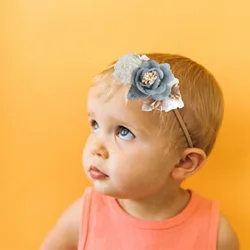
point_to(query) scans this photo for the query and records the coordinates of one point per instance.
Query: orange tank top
(106, 226)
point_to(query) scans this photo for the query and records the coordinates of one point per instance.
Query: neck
(157, 207)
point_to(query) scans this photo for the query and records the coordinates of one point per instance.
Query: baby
(154, 120)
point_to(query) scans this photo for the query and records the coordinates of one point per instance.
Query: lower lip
(97, 175)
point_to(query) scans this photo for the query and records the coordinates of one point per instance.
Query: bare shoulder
(227, 238)
(64, 235)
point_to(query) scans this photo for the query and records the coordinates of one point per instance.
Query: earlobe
(192, 160)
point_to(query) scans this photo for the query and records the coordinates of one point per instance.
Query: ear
(192, 160)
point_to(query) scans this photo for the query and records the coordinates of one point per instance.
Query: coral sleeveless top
(106, 226)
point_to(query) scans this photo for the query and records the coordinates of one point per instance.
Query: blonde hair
(201, 94)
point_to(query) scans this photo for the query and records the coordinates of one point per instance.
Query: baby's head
(154, 120)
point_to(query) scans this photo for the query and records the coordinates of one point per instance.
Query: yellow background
(51, 49)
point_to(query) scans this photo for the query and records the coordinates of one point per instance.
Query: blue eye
(125, 134)
(94, 125)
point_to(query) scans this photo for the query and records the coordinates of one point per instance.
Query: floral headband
(152, 82)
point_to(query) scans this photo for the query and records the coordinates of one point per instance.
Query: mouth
(96, 174)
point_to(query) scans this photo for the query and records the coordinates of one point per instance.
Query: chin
(103, 187)
(108, 190)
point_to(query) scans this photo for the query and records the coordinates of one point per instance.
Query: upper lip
(92, 167)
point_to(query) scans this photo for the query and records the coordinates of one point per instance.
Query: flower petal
(138, 74)
(170, 104)
(152, 92)
(156, 84)
(165, 67)
(154, 64)
(150, 64)
(159, 72)
(161, 88)
(141, 88)
(168, 75)
(146, 107)
(146, 65)
(163, 95)
(134, 93)
(133, 76)
(144, 58)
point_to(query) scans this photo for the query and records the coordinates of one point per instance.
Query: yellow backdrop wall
(51, 49)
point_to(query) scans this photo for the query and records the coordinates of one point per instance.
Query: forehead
(117, 106)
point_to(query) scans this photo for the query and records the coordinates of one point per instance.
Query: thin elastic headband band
(184, 128)
(175, 109)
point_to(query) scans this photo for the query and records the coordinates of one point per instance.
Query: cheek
(130, 167)
(84, 156)
(149, 165)
(122, 169)
(86, 152)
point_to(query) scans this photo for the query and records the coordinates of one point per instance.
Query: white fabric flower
(165, 105)
(170, 104)
(125, 66)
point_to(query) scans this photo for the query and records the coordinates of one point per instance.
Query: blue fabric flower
(151, 80)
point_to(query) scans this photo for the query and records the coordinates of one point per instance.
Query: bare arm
(227, 238)
(64, 235)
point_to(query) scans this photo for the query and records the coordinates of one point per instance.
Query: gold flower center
(149, 77)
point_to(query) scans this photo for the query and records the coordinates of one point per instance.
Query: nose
(98, 149)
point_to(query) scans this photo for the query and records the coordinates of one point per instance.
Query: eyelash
(92, 123)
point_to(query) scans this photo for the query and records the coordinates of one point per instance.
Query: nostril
(100, 153)
(99, 150)
(95, 152)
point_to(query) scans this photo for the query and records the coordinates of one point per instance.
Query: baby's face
(125, 145)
